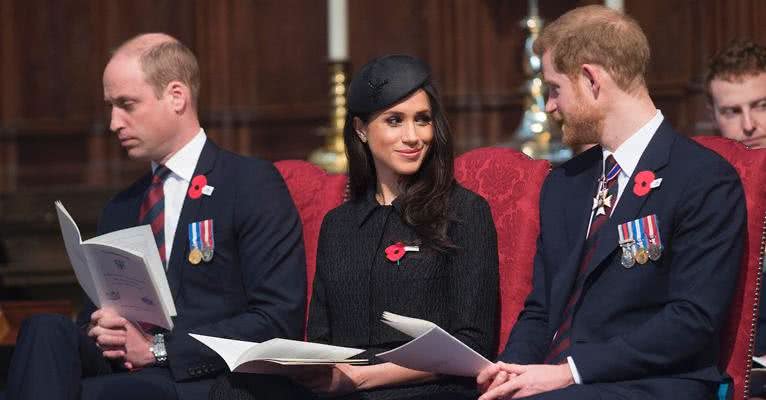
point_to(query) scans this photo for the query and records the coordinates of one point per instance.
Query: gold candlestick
(536, 136)
(332, 156)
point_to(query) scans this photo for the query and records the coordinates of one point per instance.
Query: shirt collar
(630, 151)
(184, 162)
(368, 204)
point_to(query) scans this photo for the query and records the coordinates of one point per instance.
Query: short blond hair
(163, 59)
(598, 35)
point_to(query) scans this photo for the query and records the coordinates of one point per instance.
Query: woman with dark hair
(403, 195)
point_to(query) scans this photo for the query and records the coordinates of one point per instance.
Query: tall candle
(532, 8)
(337, 29)
(618, 5)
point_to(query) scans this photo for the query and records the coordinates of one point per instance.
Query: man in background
(736, 90)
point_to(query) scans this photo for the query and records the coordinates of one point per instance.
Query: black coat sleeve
(474, 279)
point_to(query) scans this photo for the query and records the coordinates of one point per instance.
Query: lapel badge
(201, 241)
(396, 251)
(196, 187)
(643, 183)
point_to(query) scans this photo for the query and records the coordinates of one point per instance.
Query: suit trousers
(650, 388)
(54, 359)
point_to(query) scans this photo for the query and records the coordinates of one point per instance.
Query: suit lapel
(581, 190)
(655, 157)
(190, 212)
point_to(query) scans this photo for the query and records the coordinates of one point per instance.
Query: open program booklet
(432, 349)
(277, 356)
(121, 270)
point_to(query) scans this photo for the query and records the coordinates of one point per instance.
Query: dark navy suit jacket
(255, 286)
(661, 319)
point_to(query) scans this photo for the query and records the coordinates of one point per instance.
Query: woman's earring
(362, 136)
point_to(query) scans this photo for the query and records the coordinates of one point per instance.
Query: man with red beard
(640, 236)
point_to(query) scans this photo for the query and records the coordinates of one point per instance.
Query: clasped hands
(512, 381)
(335, 379)
(119, 339)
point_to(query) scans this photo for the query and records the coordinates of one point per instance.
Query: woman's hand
(337, 379)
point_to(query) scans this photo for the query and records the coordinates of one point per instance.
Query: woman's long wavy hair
(424, 196)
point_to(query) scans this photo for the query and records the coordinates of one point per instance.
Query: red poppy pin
(198, 183)
(396, 251)
(643, 183)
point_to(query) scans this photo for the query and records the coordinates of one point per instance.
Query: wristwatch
(158, 349)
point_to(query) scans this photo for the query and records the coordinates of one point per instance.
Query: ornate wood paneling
(264, 70)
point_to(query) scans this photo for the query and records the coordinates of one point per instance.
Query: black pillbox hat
(384, 81)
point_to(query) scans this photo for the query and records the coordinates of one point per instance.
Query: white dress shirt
(181, 166)
(627, 156)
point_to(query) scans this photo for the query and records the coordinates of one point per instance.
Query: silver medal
(654, 249)
(627, 259)
(207, 254)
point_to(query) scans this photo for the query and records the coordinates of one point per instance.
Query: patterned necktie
(560, 345)
(152, 210)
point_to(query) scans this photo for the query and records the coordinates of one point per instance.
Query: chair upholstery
(739, 333)
(314, 193)
(511, 182)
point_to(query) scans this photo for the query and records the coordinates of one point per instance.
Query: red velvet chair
(315, 193)
(511, 182)
(739, 334)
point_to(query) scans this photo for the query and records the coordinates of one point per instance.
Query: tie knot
(160, 174)
(611, 168)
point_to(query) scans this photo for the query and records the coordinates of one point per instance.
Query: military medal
(206, 234)
(207, 254)
(201, 241)
(602, 199)
(642, 256)
(637, 226)
(653, 233)
(626, 259)
(640, 241)
(653, 250)
(195, 256)
(626, 243)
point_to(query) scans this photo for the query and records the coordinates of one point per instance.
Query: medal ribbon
(651, 224)
(626, 233)
(638, 232)
(194, 236)
(207, 234)
(613, 172)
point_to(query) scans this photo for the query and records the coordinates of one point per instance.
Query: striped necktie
(559, 348)
(152, 211)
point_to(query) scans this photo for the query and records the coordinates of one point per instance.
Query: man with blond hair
(246, 280)
(640, 236)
